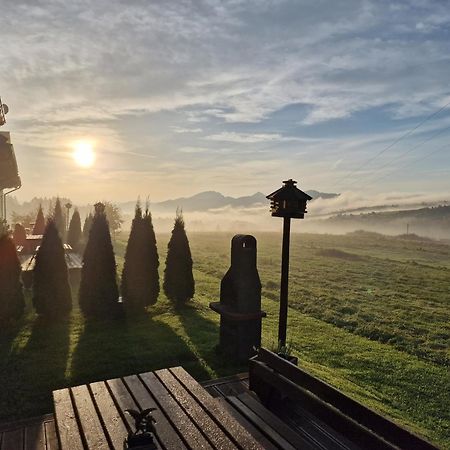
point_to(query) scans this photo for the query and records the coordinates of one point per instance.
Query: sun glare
(83, 153)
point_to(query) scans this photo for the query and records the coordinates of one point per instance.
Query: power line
(405, 153)
(403, 136)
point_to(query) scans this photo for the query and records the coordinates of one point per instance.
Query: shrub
(74, 233)
(19, 234)
(98, 294)
(140, 277)
(39, 224)
(12, 301)
(179, 284)
(51, 290)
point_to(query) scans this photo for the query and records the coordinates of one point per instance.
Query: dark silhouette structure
(51, 290)
(74, 233)
(287, 202)
(19, 234)
(240, 302)
(58, 218)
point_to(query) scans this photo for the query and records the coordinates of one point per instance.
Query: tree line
(99, 292)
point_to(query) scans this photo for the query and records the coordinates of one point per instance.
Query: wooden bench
(187, 417)
(278, 382)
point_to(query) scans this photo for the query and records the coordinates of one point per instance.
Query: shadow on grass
(204, 335)
(109, 349)
(33, 371)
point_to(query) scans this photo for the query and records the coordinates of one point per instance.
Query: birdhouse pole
(282, 325)
(287, 202)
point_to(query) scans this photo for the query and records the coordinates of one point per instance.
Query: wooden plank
(207, 425)
(112, 419)
(173, 411)
(232, 388)
(271, 419)
(12, 439)
(268, 445)
(51, 439)
(357, 411)
(264, 427)
(35, 437)
(123, 399)
(166, 433)
(90, 423)
(234, 429)
(66, 422)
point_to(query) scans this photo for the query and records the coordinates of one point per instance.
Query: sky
(234, 96)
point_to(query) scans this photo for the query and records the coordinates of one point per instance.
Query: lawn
(369, 314)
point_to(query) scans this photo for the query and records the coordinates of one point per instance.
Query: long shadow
(204, 335)
(109, 349)
(32, 372)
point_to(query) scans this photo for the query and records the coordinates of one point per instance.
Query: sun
(83, 153)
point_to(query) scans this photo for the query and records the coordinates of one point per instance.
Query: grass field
(369, 314)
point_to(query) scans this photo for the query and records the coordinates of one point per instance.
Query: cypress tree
(51, 290)
(58, 218)
(19, 234)
(179, 284)
(87, 226)
(39, 224)
(98, 294)
(74, 233)
(12, 302)
(140, 277)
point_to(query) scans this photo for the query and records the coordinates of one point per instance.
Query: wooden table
(187, 417)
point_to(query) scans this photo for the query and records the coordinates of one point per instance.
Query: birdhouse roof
(288, 192)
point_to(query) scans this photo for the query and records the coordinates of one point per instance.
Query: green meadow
(368, 313)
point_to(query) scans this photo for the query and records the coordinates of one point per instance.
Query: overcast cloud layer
(234, 96)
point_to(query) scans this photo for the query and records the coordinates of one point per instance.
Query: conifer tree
(39, 224)
(51, 290)
(74, 233)
(58, 218)
(87, 226)
(98, 294)
(179, 284)
(19, 234)
(140, 277)
(12, 302)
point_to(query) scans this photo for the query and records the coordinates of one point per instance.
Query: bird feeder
(288, 202)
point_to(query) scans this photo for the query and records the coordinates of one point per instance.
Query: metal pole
(282, 325)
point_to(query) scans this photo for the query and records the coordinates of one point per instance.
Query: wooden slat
(268, 445)
(123, 399)
(114, 424)
(232, 388)
(13, 440)
(66, 422)
(207, 425)
(192, 436)
(237, 431)
(165, 431)
(34, 437)
(271, 419)
(51, 439)
(89, 420)
(265, 428)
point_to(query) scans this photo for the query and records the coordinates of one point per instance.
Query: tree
(12, 302)
(87, 226)
(74, 233)
(19, 234)
(58, 219)
(98, 294)
(140, 277)
(114, 217)
(51, 290)
(24, 219)
(39, 224)
(179, 284)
